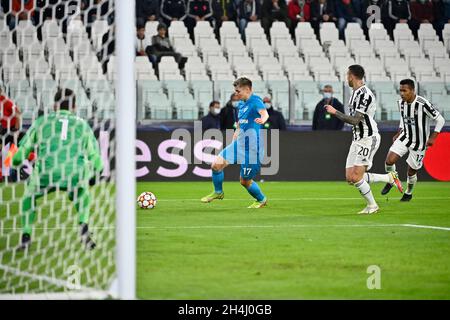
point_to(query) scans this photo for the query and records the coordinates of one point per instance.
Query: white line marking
(272, 226)
(270, 199)
(259, 226)
(297, 226)
(37, 277)
(426, 227)
(298, 199)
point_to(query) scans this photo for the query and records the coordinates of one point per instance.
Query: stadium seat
(446, 36)
(6, 40)
(27, 105)
(328, 35)
(304, 31)
(55, 45)
(203, 92)
(50, 29)
(441, 102)
(388, 101)
(186, 107)
(430, 88)
(99, 28)
(158, 105)
(18, 88)
(222, 91)
(310, 101)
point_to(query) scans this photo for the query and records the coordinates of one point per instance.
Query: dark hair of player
(357, 71)
(408, 82)
(65, 99)
(243, 82)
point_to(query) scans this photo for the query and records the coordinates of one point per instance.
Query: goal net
(57, 167)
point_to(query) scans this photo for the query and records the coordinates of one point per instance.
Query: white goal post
(88, 48)
(126, 140)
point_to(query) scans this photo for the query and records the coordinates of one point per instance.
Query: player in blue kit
(247, 148)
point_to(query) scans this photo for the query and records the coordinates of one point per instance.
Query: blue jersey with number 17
(248, 112)
(248, 149)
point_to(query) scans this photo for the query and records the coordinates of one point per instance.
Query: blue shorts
(248, 158)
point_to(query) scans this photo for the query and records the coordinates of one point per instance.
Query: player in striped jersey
(413, 135)
(366, 138)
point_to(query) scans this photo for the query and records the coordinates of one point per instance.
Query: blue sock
(217, 178)
(255, 191)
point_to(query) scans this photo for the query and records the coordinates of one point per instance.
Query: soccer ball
(146, 200)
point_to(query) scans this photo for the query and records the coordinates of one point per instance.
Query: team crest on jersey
(410, 121)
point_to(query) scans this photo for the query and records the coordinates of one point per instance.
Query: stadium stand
(291, 67)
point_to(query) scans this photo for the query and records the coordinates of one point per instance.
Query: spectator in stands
(9, 125)
(198, 10)
(446, 4)
(228, 114)
(399, 12)
(212, 119)
(21, 10)
(248, 10)
(347, 11)
(299, 11)
(225, 10)
(61, 10)
(95, 10)
(421, 12)
(276, 119)
(382, 13)
(321, 119)
(438, 14)
(173, 10)
(2, 11)
(147, 10)
(141, 41)
(321, 11)
(274, 10)
(161, 47)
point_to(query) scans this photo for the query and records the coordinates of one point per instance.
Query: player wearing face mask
(321, 119)
(212, 119)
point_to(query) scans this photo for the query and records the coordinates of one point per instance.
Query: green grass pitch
(309, 243)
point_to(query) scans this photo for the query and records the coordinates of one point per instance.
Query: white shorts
(362, 151)
(415, 158)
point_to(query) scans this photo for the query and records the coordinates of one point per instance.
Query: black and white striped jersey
(415, 122)
(363, 101)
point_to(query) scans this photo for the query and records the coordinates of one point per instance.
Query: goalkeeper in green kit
(68, 157)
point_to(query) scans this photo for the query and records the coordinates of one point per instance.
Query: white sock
(365, 191)
(375, 177)
(390, 168)
(411, 182)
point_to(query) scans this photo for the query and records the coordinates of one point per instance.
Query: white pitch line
(426, 227)
(297, 226)
(272, 226)
(257, 227)
(271, 199)
(295, 199)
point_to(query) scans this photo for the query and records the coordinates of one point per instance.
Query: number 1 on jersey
(65, 125)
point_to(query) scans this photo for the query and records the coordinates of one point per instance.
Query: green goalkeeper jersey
(67, 150)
